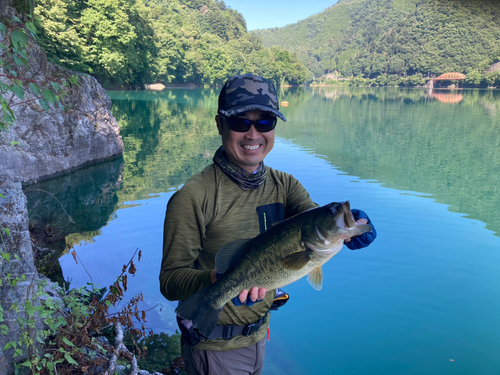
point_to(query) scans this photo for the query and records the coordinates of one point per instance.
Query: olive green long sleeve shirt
(209, 211)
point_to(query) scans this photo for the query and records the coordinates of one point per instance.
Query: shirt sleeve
(298, 199)
(183, 235)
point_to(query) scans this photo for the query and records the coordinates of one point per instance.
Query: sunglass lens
(242, 125)
(265, 125)
(239, 124)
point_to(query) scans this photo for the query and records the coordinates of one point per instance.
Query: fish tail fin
(199, 310)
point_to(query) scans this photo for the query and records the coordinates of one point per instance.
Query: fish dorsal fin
(225, 255)
(297, 261)
(315, 278)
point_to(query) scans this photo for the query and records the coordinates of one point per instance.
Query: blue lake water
(424, 298)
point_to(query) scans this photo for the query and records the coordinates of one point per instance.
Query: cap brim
(237, 110)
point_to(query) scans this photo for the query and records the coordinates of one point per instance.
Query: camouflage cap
(248, 92)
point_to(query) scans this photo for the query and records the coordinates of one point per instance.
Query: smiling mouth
(250, 147)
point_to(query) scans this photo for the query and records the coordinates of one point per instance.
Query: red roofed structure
(446, 77)
(449, 77)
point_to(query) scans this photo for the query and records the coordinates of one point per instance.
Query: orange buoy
(284, 104)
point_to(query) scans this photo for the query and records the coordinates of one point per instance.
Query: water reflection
(168, 136)
(407, 141)
(72, 209)
(79, 203)
(446, 97)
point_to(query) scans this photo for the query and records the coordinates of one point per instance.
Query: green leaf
(10, 344)
(3, 46)
(17, 19)
(43, 103)
(18, 37)
(3, 29)
(36, 90)
(18, 91)
(60, 322)
(7, 231)
(56, 86)
(26, 363)
(2, 196)
(31, 28)
(49, 96)
(6, 256)
(17, 352)
(67, 342)
(20, 61)
(70, 360)
(30, 309)
(13, 143)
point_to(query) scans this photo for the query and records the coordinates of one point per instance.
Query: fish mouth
(348, 218)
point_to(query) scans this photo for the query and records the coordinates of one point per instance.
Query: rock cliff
(13, 215)
(45, 144)
(57, 141)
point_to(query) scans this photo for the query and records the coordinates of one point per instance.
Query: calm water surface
(424, 298)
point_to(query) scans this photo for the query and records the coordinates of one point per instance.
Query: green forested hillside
(371, 38)
(127, 43)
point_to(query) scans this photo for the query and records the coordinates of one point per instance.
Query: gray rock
(55, 142)
(14, 216)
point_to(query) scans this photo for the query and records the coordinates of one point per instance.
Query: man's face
(246, 149)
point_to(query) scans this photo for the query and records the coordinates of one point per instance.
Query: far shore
(192, 85)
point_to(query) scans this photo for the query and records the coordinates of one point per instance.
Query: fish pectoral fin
(297, 261)
(225, 256)
(315, 278)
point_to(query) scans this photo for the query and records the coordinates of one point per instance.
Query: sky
(264, 14)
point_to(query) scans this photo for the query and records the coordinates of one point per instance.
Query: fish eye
(332, 211)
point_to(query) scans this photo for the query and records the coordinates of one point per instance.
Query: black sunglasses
(242, 125)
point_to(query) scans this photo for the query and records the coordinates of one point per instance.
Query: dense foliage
(127, 43)
(17, 85)
(373, 38)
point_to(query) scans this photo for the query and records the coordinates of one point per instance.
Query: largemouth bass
(287, 252)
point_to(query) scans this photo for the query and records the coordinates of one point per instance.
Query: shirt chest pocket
(269, 214)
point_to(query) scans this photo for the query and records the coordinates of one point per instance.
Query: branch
(119, 350)
(123, 271)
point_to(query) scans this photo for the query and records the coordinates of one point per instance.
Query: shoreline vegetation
(201, 43)
(341, 83)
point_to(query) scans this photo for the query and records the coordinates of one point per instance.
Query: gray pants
(244, 361)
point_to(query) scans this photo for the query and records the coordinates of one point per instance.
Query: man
(235, 197)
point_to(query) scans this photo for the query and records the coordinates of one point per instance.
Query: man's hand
(256, 294)
(245, 298)
(360, 221)
(359, 242)
(213, 276)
